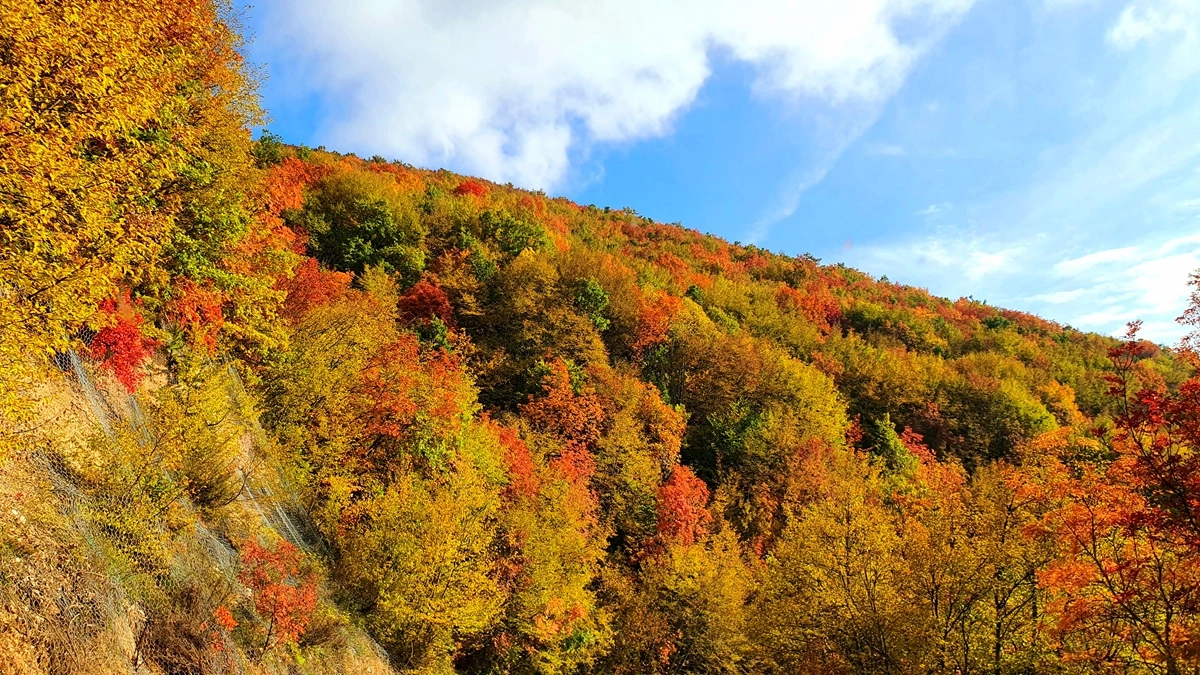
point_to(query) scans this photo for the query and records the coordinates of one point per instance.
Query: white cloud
(1144, 20)
(1074, 266)
(886, 150)
(1096, 229)
(945, 260)
(511, 88)
(934, 209)
(1105, 289)
(1187, 206)
(1058, 297)
(1135, 282)
(1059, 5)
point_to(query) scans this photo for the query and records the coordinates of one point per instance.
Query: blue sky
(1040, 154)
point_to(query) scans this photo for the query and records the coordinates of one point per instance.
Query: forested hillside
(271, 409)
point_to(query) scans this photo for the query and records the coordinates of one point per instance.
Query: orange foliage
(284, 184)
(654, 321)
(815, 303)
(311, 286)
(407, 179)
(523, 480)
(682, 507)
(284, 596)
(573, 418)
(198, 312)
(680, 271)
(403, 391)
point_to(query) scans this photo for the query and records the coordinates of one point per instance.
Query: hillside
(270, 409)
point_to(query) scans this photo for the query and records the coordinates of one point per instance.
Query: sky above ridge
(1042, 155)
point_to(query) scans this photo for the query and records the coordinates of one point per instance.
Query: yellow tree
(111, 113)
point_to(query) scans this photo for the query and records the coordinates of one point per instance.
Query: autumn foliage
(425, 301)
(284, 594)
(311, 286)
(516, 434)
(121, 347)
(682, 507)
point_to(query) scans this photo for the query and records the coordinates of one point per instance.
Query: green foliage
(591, 299)
(355, 222)
(885, 444)
(268, 150)
(511, 235)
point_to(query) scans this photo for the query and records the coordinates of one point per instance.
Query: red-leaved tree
(120, 347)
(284, 594)
(311, 286)
(683, 507)
(472, 187)
(425, 301)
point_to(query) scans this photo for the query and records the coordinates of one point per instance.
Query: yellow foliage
(110, 113)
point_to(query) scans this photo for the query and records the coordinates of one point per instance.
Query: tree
(120, 346)
(1126, 581)
(104, 129)
(284, 595)
(682, 512)
(358, 220)
(416, 562)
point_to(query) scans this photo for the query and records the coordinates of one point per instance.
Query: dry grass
(59, 610)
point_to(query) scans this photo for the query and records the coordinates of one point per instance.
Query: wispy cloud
(1145, 20)
(1137, 282)
(1114, 201)
(1105, 289)
(1057, 297)
(861, 115)
(934, 210)
(1188, 206)
(1076, 266)
(886, 150)
(946, 259)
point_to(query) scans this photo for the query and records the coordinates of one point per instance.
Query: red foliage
(198, 311)
(403, 391)
(682, 507)
(815, 303)
(425, 301)
(284, 596)
(654, 321)
(576, 464)
(471, 186)
(522, 472)
(916, 445)
(1191, 317)
(854, 432)
(311, 286)
(572, 417)
(1128, 528)
(121, 348)
(389, 383)
(1158, 434)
